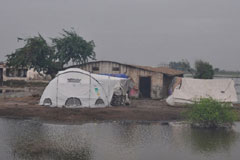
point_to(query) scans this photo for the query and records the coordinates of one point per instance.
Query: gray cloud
(146, 32)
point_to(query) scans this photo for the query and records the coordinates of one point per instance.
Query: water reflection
(106, 141)
(31, 140)
(46, 150)
(131, 134)
(205, 140)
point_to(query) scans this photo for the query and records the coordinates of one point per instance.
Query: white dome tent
(76, 88)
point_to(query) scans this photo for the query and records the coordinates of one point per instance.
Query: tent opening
(73, 102)
(99, 101)
(167, 80)
(47, 102)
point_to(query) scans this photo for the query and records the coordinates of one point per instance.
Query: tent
(189, 90)
(74, 88)
(116, 75)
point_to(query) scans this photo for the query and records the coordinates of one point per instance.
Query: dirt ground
(139, 110)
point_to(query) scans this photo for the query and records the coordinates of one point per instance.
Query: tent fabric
(116, 75)
(190, 90)
(75, 84)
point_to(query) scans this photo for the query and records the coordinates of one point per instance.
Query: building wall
(133, 72)
(31, 75)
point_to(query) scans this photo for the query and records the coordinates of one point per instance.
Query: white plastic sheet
(191, 90)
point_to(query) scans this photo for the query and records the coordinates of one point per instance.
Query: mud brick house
(149, 82)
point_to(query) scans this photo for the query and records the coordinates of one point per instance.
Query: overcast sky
(144, 32)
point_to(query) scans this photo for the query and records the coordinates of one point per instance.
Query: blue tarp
(116, 75)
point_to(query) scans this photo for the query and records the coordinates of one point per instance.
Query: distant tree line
(183, 65)
(201, 70)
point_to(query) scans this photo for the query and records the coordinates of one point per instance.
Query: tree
(36, 54)
(72, 47)
(216, 70)
(43, 58)
(204, 70)
(183, 65)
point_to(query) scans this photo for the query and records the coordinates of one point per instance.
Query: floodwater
(20, 92)
(34, 140)
(7, 93)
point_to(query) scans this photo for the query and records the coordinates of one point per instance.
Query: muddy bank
(139, 110)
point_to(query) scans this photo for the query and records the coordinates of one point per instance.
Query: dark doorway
(1, 76)
(167, 80)
(145, 87)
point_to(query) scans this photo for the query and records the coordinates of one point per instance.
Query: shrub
(210, 113)
(204, 70)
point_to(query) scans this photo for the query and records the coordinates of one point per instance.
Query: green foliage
(183, 65)
(216, 70)
(43, 58)
(36, 54)
(228, 73)
(71, 47)
(208, 140)
(204, 70)
(210, 113)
